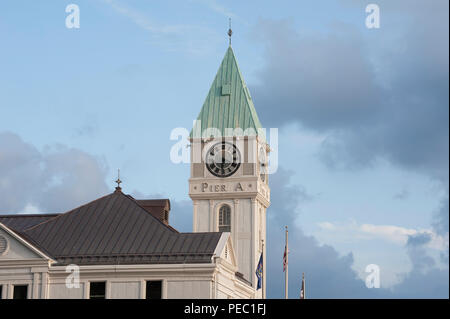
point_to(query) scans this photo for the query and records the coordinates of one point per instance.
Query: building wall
(182, 289)
(207, 282)
(20, 265)
(125, 289)
(129, 281)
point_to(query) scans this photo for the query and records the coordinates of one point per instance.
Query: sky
(362, 116)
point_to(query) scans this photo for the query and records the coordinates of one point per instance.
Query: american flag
(284, 259)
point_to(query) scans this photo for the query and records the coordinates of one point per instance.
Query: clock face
(223, 159)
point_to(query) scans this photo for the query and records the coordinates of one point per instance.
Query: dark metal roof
(115, 229)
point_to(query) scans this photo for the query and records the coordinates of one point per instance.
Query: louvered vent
(3, 245)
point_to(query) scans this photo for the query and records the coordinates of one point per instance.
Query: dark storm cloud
(418, 239)
(425, 280)
(53, 180)
(419, 284)
(440, 223)
(321, 80)
(417, 253)
(441, 226)
(403, 194)
(388, 101)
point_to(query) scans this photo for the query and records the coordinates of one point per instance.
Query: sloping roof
(115, 229)
(228, 104)
(18, 237)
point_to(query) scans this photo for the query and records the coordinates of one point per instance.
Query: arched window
(225, 218)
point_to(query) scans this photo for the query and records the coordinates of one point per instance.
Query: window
(153, 289)
(20, 292)
(97, 290)
(225, 218)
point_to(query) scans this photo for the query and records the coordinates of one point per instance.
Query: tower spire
(230, 32)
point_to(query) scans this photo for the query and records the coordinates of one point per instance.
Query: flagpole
(304, 286)
(287, 266)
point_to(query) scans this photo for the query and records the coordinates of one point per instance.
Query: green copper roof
(228, 104)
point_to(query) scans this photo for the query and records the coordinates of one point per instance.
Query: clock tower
(228, 183)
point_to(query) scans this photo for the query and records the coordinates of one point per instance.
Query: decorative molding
(4, 245)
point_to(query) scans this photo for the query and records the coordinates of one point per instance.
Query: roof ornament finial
(118, 181)
(230, 32)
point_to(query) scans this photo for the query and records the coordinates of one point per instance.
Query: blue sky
(362, 116)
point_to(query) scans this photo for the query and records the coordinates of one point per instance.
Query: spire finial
(118, 181)
(230, 32)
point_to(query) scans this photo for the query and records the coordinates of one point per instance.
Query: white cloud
(216, 7)
(391, 233)
(30, 209)
(53, 180)
(173, 37)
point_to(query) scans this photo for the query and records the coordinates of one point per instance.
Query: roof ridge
(18, 215)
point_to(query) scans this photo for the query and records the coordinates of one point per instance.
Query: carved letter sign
(219, 188)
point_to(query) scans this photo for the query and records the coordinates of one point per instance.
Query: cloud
(403, 194)
(216, 7)
(425, 279)
(323, 81)
(383, 95)
(390, 233)
(440, 223)
(172, 37)
(441, 226)
(418, 239)
(53, 180)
